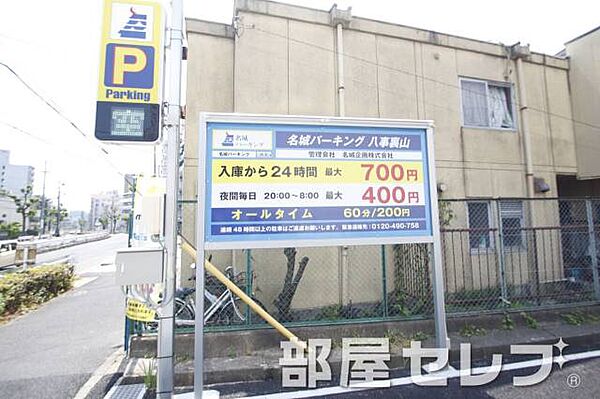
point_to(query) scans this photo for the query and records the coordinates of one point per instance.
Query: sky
(54, 47)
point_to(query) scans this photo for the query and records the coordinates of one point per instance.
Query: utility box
(138, 265)
(148, 211)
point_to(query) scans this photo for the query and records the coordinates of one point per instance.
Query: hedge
(31, 287)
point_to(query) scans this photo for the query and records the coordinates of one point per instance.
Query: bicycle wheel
(184, 313)
(150, 326)
(230, 313)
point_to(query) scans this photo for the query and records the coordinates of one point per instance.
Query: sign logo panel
(131, 52)
(132, 22)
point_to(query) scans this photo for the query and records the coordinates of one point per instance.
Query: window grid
(511, 214)
(487, 84)
(480, 228)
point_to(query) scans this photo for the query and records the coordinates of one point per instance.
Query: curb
(228, 370)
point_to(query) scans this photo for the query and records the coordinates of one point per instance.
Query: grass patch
(530, 321)
(149, 373)
(578, 318)
(507, 322)
(470, 330)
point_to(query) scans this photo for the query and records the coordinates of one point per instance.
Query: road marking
(449, 373)
(109, 366)
(62, 259)
(80, 282)
(205, 395)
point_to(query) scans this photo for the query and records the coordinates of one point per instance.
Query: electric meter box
(139, 266)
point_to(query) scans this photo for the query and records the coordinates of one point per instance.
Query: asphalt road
(560, 384)
(51, 352)
(93, 257)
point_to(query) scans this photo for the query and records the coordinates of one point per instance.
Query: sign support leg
(200, 236)
(437, 272)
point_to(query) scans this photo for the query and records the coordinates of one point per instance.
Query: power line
(35, 137)
(25, 132)
(49, 104)
(63, 116)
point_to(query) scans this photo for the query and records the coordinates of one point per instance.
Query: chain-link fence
(321, 285)
(498, 254)
(518, 253)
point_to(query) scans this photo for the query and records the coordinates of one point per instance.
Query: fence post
(501, 264)
(384, 281)
(592, 247)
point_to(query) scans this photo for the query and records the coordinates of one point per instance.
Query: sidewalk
(254, 355)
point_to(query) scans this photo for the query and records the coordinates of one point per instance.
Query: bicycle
(222, 303)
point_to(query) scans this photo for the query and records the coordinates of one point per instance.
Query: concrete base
(263, 363)
(240, 343)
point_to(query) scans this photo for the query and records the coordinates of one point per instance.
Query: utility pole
(57, 229)
(43, 210)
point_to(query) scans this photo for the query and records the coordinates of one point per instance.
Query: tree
(103, 221)
(283, 301)
(82, 222)
(110, 215)
(11, 230)
(51, 216)
(26, 205)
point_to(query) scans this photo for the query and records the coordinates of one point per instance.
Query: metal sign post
(128, 110)
(269, 181)
(164, 389)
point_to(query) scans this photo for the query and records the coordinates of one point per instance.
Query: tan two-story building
(504, 127)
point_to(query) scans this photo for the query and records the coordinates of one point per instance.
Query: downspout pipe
(339, 49)
(341, 19)
(517, 53)
(524, 114)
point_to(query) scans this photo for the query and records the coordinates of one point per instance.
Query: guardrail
(27, 251)
(52, 244)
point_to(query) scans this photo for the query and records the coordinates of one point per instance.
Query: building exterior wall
(18, 177)
(98, 205)
(13, 178)
(282, 60)
(584, 78)
(8, 211)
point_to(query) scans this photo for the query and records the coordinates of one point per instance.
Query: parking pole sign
(312, 181)
(131, 59)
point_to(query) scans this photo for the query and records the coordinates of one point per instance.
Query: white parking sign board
(302, 181)
(269, 181)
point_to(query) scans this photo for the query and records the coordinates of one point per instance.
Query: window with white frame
(479, 225)
(511, 213)
(487, 104)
